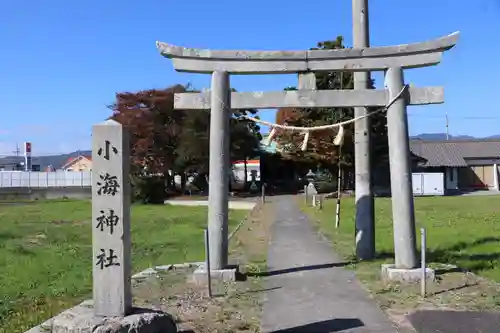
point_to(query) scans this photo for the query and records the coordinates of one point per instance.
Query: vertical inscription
(108, 148)
(104, 260)
(108, 185)
(111, 220)
(107, 220)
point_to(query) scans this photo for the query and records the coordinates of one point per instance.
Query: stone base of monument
(228, 274)
(389, 272)
(81, 318)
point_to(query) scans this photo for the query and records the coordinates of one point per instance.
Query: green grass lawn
(46, 250)
(464, 231)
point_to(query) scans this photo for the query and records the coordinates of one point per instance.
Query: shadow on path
(334, 325)
(257, 291)
(299, 269)
(455, 321)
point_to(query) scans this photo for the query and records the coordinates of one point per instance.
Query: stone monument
(111, 243)
(111, 308)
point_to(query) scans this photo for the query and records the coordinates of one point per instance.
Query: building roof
(454, 153)
(56, 161)
(72, 160)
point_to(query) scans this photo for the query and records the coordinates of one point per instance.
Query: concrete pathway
(308, 290)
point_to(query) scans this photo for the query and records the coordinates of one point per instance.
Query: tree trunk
(183, 182)
(245, 178)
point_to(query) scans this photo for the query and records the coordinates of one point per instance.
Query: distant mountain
(442, 136)
(56, 161)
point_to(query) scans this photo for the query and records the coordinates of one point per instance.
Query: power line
(43, 154)
(454, 117)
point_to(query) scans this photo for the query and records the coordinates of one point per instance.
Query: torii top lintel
(284, 62)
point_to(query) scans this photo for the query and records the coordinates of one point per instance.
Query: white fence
(45, 179)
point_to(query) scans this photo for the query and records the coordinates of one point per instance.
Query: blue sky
(63, 61)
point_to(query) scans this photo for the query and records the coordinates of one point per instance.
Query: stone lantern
(310, 176)
(311, 188)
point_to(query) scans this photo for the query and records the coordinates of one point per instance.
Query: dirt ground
(453, 289)
(236, 306)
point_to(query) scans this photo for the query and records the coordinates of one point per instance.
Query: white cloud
(35, 129)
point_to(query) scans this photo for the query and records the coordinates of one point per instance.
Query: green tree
(321, 149)
(193, 148)
(164, 139)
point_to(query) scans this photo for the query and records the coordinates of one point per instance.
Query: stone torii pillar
(219, 168)
(389, 58)
(403, 213)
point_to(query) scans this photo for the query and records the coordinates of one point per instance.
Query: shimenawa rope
(306, 130)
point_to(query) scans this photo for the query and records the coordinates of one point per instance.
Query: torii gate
(220, 100)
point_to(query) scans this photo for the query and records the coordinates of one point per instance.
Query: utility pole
(365, 221)
(17, 151)
(447, 127)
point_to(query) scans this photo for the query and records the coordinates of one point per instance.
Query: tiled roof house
(467, 164)
(78, 163)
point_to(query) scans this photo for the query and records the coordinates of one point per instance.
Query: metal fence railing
(45, 179)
